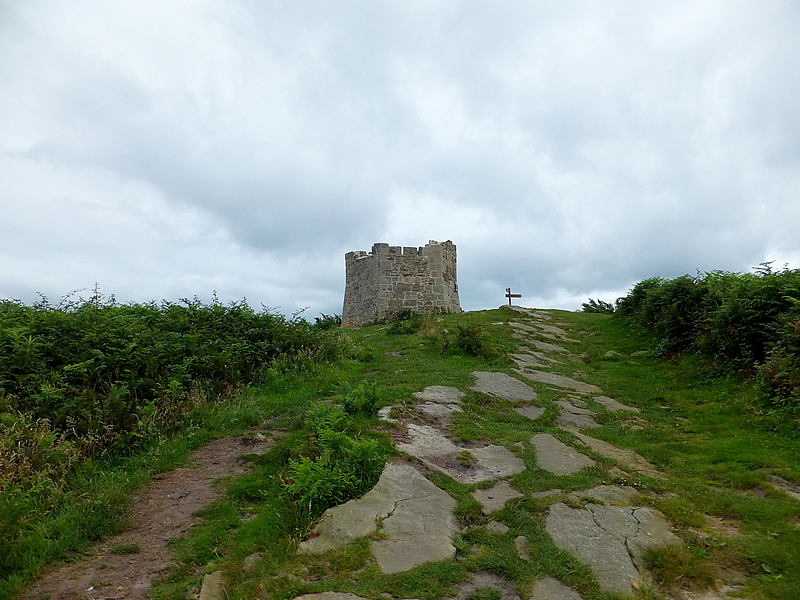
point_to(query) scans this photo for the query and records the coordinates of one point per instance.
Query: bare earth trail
(161, 512)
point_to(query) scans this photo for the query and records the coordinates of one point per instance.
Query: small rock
(212, 587)
(612, 354)
(496, 527)
(249, 564)
(520, 543)
(383, 414)
(552, 589)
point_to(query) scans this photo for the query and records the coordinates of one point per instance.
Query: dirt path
(161, 512)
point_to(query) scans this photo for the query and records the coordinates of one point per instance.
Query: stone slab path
(606, 527)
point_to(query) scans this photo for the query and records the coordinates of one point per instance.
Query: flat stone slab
(436, 410)
(566, 406)
(548, 347)
(555, 456)
(503, 386)
(440, 453)
(417, 518)
(624, 456)
(495, 497)
(610, 539)
(442, 394)
(497, 461)
(614, 405)
(552, 589)
(528, 361)
(609, 494)
(573, 423)
(427, 441)
(785, 486)
(560, 381)
(532, 412)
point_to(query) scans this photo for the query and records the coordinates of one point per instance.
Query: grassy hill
(709, 434)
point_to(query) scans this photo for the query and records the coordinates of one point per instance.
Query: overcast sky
(169, 149)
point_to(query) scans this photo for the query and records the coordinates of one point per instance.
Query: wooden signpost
(509, 295)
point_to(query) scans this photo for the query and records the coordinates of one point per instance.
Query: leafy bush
(105, 375)
(598, 306)
(362, 400)
(748, 323)
(472, 339)
(325, 322)
(332, 466)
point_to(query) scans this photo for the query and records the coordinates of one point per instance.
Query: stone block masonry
(389, 279)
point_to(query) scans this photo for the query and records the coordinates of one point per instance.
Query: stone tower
(381, 283)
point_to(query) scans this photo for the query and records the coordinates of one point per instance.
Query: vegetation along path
(506, 454)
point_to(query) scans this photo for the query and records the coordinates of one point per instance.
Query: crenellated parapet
(390, 279)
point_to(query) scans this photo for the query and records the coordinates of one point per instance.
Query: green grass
(704, 432)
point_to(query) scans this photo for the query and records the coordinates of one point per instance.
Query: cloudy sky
(173, 148)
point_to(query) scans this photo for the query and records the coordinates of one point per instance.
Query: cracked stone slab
(440, 453)
(614, 405)
(442, 394)
(419, 530)
(532, 412)
(552, 589)
(495, 497)
(414, 511)
(555, 456)
(575, 530)
(503, 386)
(611, 539)
(560, 381)
(624, 456)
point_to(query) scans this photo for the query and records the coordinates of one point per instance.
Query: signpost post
(509, 295)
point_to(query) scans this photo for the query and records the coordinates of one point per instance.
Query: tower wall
(381, 283)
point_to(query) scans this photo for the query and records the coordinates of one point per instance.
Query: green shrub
(472, 339)
(332, 466)
(747, 323)
(109, 376)
(598, 306)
